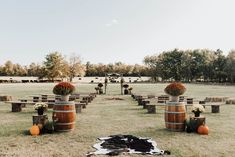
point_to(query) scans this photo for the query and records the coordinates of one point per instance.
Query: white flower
(40, 105)
(197, 108)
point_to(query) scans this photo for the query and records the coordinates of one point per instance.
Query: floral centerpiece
(126, 90)
(125, 85)
(197, 109)
(64, 89)
(100, 85)
(175, 89)
(40, 107)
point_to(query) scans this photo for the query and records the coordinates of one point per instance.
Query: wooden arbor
(112, 78)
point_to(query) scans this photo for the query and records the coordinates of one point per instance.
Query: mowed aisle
(114, 115)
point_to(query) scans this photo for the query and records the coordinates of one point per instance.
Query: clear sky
(108, 31)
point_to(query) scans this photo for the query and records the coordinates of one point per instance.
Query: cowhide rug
(116, 144)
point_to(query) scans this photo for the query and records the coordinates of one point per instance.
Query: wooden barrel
(64, 115)
(175, 116)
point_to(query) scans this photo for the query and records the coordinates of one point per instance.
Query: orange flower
(63, 88)
(175, 89)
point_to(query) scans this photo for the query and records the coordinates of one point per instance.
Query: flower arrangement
(40, 105)
(197, 108)
(63, 88)
(125, 85)
(175, 89)
(100, 85)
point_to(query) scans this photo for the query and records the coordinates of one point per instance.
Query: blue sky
(108, 31)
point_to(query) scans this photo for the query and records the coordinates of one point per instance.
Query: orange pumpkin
(34, 130)
(203, 130)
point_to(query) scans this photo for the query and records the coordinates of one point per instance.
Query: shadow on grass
(25, 132)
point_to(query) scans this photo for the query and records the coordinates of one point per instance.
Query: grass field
(108, 117)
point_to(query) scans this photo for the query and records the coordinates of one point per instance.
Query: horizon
(112, 31)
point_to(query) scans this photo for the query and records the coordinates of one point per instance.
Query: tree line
(174, 65)
(192, 65)
(56, 66)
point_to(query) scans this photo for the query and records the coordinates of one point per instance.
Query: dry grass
(107, 117)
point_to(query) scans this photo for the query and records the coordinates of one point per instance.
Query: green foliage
(175, 65)
(230, 66)
(75, 67)
(119, 67)
(191, 65)
(54, 65)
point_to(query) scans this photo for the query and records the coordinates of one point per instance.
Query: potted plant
(175, 89)
(64, 89)
(197, 109)
(100, 85)
(126, 90)
(40, 107)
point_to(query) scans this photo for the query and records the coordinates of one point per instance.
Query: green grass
(108, 117)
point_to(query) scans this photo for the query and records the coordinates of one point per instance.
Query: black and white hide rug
(117, 144)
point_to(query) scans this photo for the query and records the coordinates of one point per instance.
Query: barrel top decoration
(175, 114)
(175, 89)
(64, 111)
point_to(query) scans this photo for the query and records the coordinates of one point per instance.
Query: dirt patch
(114, 98)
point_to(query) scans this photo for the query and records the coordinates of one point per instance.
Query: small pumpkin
(203, 130)
(34, 130)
